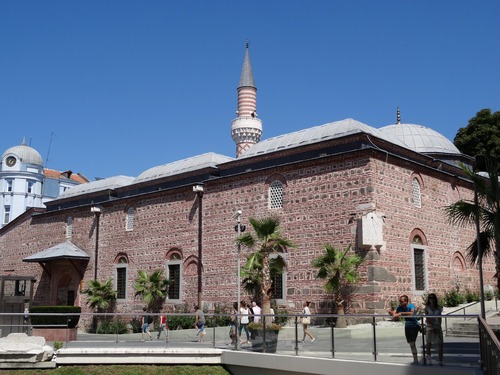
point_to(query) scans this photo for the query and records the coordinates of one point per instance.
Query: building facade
(382, 191)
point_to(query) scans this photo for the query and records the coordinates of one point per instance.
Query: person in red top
(163, 327)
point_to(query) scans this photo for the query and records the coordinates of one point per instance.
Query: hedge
(50, 320)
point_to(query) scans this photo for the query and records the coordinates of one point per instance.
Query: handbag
(306, 320)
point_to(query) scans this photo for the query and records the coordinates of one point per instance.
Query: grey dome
(421, 139)
(25, 153)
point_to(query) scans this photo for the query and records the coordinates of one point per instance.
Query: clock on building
(10, 161)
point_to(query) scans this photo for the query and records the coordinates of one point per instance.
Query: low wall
(55, 334)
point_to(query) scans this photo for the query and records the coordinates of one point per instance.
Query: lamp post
(239, 229)
(96, 210)
(198, 189)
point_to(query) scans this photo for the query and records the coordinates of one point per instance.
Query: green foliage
(481, 137)
(152, 289)
(267, 240)
(136, 324)
(338, 268)
(117, 326)
(58, 345)
(471, 296)
(125, 370)
(486, 212)
(181, 321)
(452, 298)
(101, 295)
(488, 295)
(48, 320)
(220, 320)
(281, 320)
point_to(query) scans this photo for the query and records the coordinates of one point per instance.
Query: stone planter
(271, 340)
(56, 334)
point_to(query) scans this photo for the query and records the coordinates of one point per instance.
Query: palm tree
(101, 295)
(340, 270)
(251, 273)
(152, 289)
(267, 240)
(485, 211)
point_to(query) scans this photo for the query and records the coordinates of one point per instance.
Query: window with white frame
(30, 187)
(69, 227)
(174, 272)
(419, 265)
(130, 219)
(121, 268)
(8, 185)
(276, 195)
(415, 185)
(6, 214)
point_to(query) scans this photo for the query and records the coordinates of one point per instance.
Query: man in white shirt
(256, 312)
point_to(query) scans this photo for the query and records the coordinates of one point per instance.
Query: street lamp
(239, 229)
(96, 210)
(198, 189)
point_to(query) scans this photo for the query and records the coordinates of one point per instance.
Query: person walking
(407, 311)
(306, 320)
(200, 322)
(244, 312)
(232, 323)
(433, 328)
(146, 321)
(256, 311)
(163, 327)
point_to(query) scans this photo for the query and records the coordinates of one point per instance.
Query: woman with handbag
(306, 320)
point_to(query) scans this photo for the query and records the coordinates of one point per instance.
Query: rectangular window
(121, 282)
(277, 286)
(174, 276)
(8, 187)
(419, 269)
(6, 214)
(30, 187)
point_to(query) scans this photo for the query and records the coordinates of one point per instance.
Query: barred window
(276, 195)
(278, 277)
(174, 277)
(69, 227)
(121, 278)
(416, 192)
(419, 268)
(130, 219)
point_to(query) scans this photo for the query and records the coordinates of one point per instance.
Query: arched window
(419, 254)
(278, 287)
(130, 219)
(121, 268)
(69, 227)
(174, 276)
(276, 195)
(415, 185)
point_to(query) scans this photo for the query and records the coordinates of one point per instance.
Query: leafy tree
(152, 289)
(267, 239)
(481, 137)
(487, 211)
(101, 295)
(339, 270)
(251, 273)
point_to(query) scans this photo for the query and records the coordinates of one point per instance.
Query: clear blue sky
(127, 85)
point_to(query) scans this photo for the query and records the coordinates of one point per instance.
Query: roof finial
(398, 118)
(246, 44)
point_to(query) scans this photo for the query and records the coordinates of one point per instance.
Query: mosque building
(380, 190)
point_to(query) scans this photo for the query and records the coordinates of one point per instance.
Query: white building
(25, 183)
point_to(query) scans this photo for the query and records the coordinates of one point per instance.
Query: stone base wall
(55, 334)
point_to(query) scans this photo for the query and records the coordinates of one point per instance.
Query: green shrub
(50, 320)
(453, 298)
(58, 345)
(220, 320)
(181, 321)
(136, 324)
(112, 326)
(488, 295)
(471, 296)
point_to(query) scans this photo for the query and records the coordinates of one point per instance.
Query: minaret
(246, 129)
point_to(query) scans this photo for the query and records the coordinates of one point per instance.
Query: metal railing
(368, 337)
(490, 349)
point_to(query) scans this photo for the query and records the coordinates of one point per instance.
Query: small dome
(25, 153)
(421, 139)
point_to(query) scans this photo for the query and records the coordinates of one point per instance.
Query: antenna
(48, 151)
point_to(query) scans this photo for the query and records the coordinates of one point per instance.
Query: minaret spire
(246, 129)
(398, 116)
